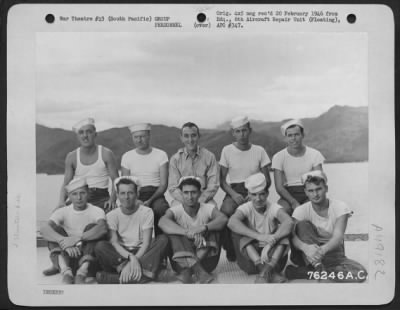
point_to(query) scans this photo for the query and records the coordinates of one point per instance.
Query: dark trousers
(97, 197)
(333, 261)
(159, 206)
(228, 207)
(297, 192)
(87, 250)
(182, 254)
(109, 259)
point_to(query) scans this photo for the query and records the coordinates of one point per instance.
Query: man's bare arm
(169, 226)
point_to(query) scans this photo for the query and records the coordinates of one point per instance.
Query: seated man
(72, 233)
(130, 256)
(259, 240)
(319, 236)
(193, 231)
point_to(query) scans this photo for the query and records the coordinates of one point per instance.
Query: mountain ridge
(340, 134)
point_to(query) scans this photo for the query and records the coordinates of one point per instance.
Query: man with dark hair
(72, 233)
(260, 232)
(193, 230)
(150, 166)
(239, 160)
(318, 237)
(193, 160)
(130, 256)
(291, 163)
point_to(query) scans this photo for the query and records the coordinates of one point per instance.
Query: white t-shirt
(73, 221)
(242, 164)
(145, 167)
(325, 225)
(266, 223)
(130, 228)
(203, 216)
(295, 167)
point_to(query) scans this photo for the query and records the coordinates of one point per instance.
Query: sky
(171, 78)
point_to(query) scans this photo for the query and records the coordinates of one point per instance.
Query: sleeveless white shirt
(96, 174)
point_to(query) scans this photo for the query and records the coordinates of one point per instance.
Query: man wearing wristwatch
(260, 233)
(193, 230)
(72, 233)
(131, 256)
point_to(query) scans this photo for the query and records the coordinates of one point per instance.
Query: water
(347, 182)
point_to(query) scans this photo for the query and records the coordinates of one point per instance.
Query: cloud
(171, 78)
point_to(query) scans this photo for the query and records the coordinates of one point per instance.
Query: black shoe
(230, 256)
(293, 273)
(51, 271)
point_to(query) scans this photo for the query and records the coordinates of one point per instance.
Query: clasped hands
(314, 253)
(196, 234)
(132, 271)
(68, 244)
(267, 242)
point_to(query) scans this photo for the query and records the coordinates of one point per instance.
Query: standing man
(193, 231)
(193, 160)
(239, 160)
(93, 162)
(318, 237)
(261, 231)
(291, 163)
(130, 256)
(150, 166)
(72, 233)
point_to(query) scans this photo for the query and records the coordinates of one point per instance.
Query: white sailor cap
(292, 122)
(139, 127)
(127, 177)
(84, 122)
(75, 184)
(256, 183)
(239, 121)
(314, 174)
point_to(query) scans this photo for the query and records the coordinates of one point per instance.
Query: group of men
(127, 233)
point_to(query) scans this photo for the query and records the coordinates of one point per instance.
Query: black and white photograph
(206, 150)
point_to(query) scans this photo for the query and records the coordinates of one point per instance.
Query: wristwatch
(129, 256)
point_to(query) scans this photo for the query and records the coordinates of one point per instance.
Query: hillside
(341, 134)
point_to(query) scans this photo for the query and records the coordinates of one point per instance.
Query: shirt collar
(184, 151)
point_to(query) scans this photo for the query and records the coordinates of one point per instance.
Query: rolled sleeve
(148, 221)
